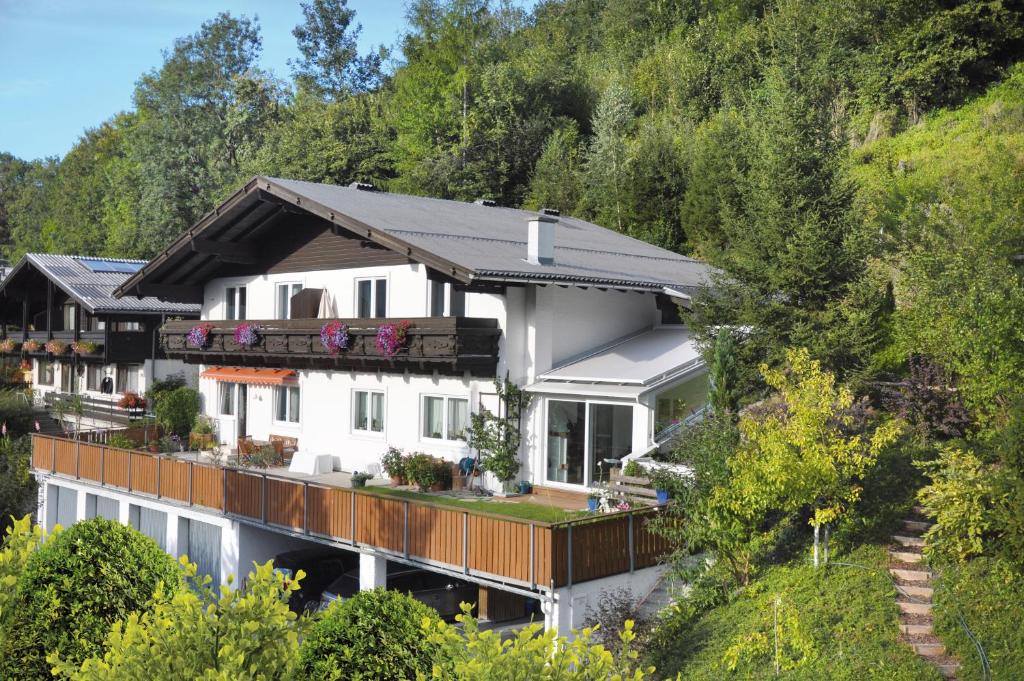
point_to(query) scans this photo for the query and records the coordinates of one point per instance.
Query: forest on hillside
(762, 136)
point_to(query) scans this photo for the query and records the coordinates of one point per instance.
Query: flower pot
(396, 481)
(592, 504)
(437, 487)
(662, 495)
(525, 487)
(358, 483)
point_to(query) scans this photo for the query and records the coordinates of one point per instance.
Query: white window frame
(445, 399)
(369, 432)
(587, 454)
(373, 296)
(284, 391)
(448, 289)
(233, 387)
(236, 288)
(278, 313)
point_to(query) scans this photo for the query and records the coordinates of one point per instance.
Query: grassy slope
(838, 623)
(990, 596)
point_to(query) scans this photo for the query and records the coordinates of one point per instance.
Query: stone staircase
(914, 586)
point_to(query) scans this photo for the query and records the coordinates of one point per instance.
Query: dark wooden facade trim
(449, 345)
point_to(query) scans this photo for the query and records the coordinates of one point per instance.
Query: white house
(585, 319)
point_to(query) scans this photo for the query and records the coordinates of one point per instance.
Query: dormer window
(372, 298)
(446, 300)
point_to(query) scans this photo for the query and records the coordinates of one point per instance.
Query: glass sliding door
(611, 437)
(566, 442)
(583, 438)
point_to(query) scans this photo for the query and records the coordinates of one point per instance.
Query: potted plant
(662, 482)
(31, 346)
(55, 347)
(593, 501)
(8, 345)
(133, 402)
(359, 479)
(525, 487)
(421, 471)
(83, 347)
(442, 474)
(199, 335)
(497, 438)
(394, 464)
(334, 336)
(391, 337)
(202, 436)
(247, 335)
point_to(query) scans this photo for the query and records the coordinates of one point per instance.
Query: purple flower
(334, 336)
(247, 335)
(199, 335)
(391, 337)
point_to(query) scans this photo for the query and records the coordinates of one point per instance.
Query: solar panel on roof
(100, 265)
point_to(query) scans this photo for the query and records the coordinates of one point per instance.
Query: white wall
(568, 608)
(584, 319)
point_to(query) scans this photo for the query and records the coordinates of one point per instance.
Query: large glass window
(368, 411)
(445, 418)
(94, 376)
(583, 439)
(235, 301)
(371, 298)
(45, 372)
(226, 398)
(287, 403)
(67, 378)
(446, 300)
(284, 299)
(128, 378)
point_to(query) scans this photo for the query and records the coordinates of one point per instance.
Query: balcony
(507, 549)
(95, 337)
(449, 345)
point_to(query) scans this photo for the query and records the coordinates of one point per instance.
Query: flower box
(247, 335)
(8, 345)
(56, 347)
(81, 347)
(391, 337)
(31, 346)
(199, 335)
(334, 336)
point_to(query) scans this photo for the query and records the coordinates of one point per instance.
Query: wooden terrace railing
(533, 554)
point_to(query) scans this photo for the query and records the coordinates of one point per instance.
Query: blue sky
(68, 65)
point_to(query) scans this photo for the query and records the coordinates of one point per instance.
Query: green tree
(327, 40)
(177, 410)
(17, 484)
(244, 634)
(556, 181)
(203, 112)
(607, 173)
(21, 540)
(723, 394)
(73, 588)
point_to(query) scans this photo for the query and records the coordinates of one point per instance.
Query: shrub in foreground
(247, 634)
(73, 588)
(374, 635)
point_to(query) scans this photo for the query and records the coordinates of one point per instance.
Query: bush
(160, 388)
(122, 441)
(17, 485)
(16, 412)
(374, 635)
(200, 633)
(987, 592)
(394, 463)
(74, 587)
(21, 540)
(177, 410)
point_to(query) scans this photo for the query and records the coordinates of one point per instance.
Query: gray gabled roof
(469, 242)
(95, 290)
(490, 241)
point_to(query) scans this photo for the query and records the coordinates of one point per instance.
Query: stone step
(919, 510)
(916, 629)
(929, 649)
(910, 542)
(948, 671)
(908, 608)
(911, 575)
(906, 556)
(916, 525)
(922, 592)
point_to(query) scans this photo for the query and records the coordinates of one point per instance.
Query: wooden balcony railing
(446, 344)
(526, 553)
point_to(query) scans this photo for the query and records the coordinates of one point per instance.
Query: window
(286, 400)
(67, 378)
(226, 398)
(368, 411)
(127, 326)
(284, 299)
(446, 300)
(69, 316)
(128, 378)
(91, 322)
(45, 372)
(583, 437)
(235, 299)
(445, 418)
(93, 377)
(371, 298)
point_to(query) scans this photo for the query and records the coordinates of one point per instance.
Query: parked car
(321, 565)
(440, 592)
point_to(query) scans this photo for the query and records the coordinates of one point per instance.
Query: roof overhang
(26, 263)
(260, 200)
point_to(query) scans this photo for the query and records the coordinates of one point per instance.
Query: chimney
(540, 245)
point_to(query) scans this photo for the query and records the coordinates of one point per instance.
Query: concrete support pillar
(47, 514)
(373, 571)
(174, 527)
(81, 504)
(230, 538)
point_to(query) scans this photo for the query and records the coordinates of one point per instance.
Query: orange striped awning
(251, 376)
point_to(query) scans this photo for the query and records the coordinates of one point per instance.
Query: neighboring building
(586, 319)
(68, 299)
